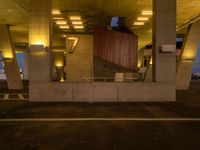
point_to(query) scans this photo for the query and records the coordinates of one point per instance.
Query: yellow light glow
(7, 54)
(138, 23)
(147, 13)
(64, 27)
(61, 22)
(37, 42)
(188, 55)
(72, 38)
(62, 79)
(58, 18)
(40, 53)
(78, 27)
(139, 65)
(143, 18)
(56, 12)
(59, 64)
(64, 35)
(77, 22)
(75, 17)
(151, 61)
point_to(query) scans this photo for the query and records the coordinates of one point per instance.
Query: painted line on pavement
(98, 119)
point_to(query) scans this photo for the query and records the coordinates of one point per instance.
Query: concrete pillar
(187, 61)
(164, 39)
(39, 40)
(9, 58)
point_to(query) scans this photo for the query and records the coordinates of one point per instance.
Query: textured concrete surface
(102, 92)
(106, 135)
(79, 64)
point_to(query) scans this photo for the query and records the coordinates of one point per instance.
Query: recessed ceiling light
(143, 18)
(61, 22)
(138, 23)
(148, 13)
(77, 22)
(75, 17)
(58, 18)
(56, 12)
(64, 27)
(78, 27)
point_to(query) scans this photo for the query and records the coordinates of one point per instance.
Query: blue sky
(197, 64)
(20, 60)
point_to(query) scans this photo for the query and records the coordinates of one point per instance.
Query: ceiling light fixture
(77, 22)
(75, 17)
(61, 22)
(56, 12)
(138, 23)
(148, 13)
(78, 27)
(143, 18)
(64, 27)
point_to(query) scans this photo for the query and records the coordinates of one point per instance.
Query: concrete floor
(102, 135)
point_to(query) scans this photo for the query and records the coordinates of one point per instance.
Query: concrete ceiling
(14, 12)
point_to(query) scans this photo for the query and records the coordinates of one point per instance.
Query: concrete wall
(79, 64)
(102, 92)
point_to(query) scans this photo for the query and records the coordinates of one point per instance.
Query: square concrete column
(39, 40)
(40, 28)
(9, 59)
(164, 41)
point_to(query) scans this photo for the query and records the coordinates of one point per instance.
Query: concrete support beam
(9, 58)
(188, 57)
(164, 32)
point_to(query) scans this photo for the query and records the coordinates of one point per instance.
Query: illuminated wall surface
(20, 61)
(197, 63)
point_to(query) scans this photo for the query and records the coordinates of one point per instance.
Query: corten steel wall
(116, 47)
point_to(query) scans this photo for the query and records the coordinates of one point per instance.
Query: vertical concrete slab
(188, 57)
(79, 64)
(40, 23)
(9, 58)
(164, 32)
